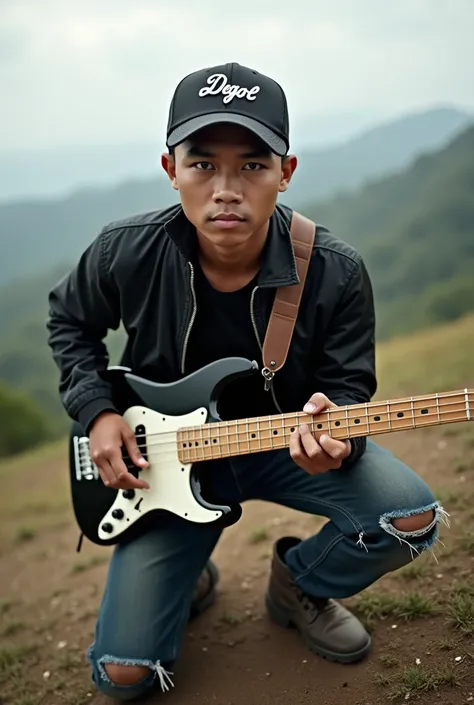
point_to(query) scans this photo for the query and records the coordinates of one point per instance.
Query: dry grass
(374, 606)
(410, 683)
(408, 365)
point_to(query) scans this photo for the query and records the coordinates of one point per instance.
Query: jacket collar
(278, 267)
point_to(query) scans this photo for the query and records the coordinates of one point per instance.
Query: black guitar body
(92, 500)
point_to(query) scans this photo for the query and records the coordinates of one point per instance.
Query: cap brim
(271, 139)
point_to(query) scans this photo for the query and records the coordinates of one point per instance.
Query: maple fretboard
(263, 433)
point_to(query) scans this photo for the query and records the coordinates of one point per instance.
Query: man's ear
(169, 165)
(288, 166)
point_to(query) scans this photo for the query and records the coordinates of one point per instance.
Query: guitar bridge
(85, 468)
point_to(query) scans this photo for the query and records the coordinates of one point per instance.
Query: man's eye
(203, 166)
(253, 166)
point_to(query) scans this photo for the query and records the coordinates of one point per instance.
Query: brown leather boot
(205, 592)
(327, 628)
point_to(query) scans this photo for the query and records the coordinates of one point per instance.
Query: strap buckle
(268, 374)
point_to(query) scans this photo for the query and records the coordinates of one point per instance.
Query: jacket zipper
(193, 316)
(269, 379)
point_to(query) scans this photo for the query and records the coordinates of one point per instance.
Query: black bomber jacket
(138, 272)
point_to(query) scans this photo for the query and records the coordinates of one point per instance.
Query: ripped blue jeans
(150, 583)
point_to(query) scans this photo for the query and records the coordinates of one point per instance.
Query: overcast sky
(103, 71)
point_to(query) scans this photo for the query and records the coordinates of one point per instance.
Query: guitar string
(387, 407)
(235, 427)
(220, 450)
(172, 446)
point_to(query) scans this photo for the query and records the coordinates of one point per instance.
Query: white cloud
(84, 72)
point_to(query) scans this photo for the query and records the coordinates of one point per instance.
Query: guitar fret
(468, 410)
(347, 422)
(227, 436)
(437, 409)
(237, 436)
(270, 432)
(293, 425)
(367, 417)
(191, 445)
(389, 412)
(201, 438)
(412, 411)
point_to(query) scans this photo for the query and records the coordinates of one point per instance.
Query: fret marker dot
(338, 423)
(253, 435)
(356, 420)
(320, 425)
(400, 414)
(275, 433)
(214, 440)
(376, 418)
(424, 411)
(292, 429)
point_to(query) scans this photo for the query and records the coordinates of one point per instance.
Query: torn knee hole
(126, 675)
(415, 522)
(133, 671)
(417, 528)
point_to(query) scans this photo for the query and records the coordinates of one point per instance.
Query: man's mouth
(227, 220)
(228, 217)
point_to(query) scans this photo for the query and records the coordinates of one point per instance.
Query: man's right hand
(108, 435)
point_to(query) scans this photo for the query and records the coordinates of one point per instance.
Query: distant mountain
(415, 230)
(56, 172)
(387, 148)
(37, 235)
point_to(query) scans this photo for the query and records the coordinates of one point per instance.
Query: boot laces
(314, 605)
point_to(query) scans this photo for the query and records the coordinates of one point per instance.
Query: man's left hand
(313, 456)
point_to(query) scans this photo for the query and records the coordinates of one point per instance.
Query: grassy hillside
(438, 359)
(416, 232)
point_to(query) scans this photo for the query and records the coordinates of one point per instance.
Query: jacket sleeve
(83, 306)
(346, 369)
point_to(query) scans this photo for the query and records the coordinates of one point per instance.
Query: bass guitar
(177, 428)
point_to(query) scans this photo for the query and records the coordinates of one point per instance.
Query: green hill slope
(416, 233)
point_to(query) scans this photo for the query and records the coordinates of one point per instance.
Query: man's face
(228, 182)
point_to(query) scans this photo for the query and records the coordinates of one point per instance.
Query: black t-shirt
(223, 328)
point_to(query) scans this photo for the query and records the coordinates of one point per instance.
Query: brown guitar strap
(287, 299)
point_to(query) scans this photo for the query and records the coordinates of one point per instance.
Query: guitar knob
(108, 528)
(117, 514)
(128, 494)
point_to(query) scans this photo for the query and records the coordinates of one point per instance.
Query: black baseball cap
(234, 94)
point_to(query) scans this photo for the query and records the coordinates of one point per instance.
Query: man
(194, 283)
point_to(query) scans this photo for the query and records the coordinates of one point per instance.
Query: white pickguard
(169, 479)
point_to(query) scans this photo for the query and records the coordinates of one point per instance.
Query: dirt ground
(421, 618)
